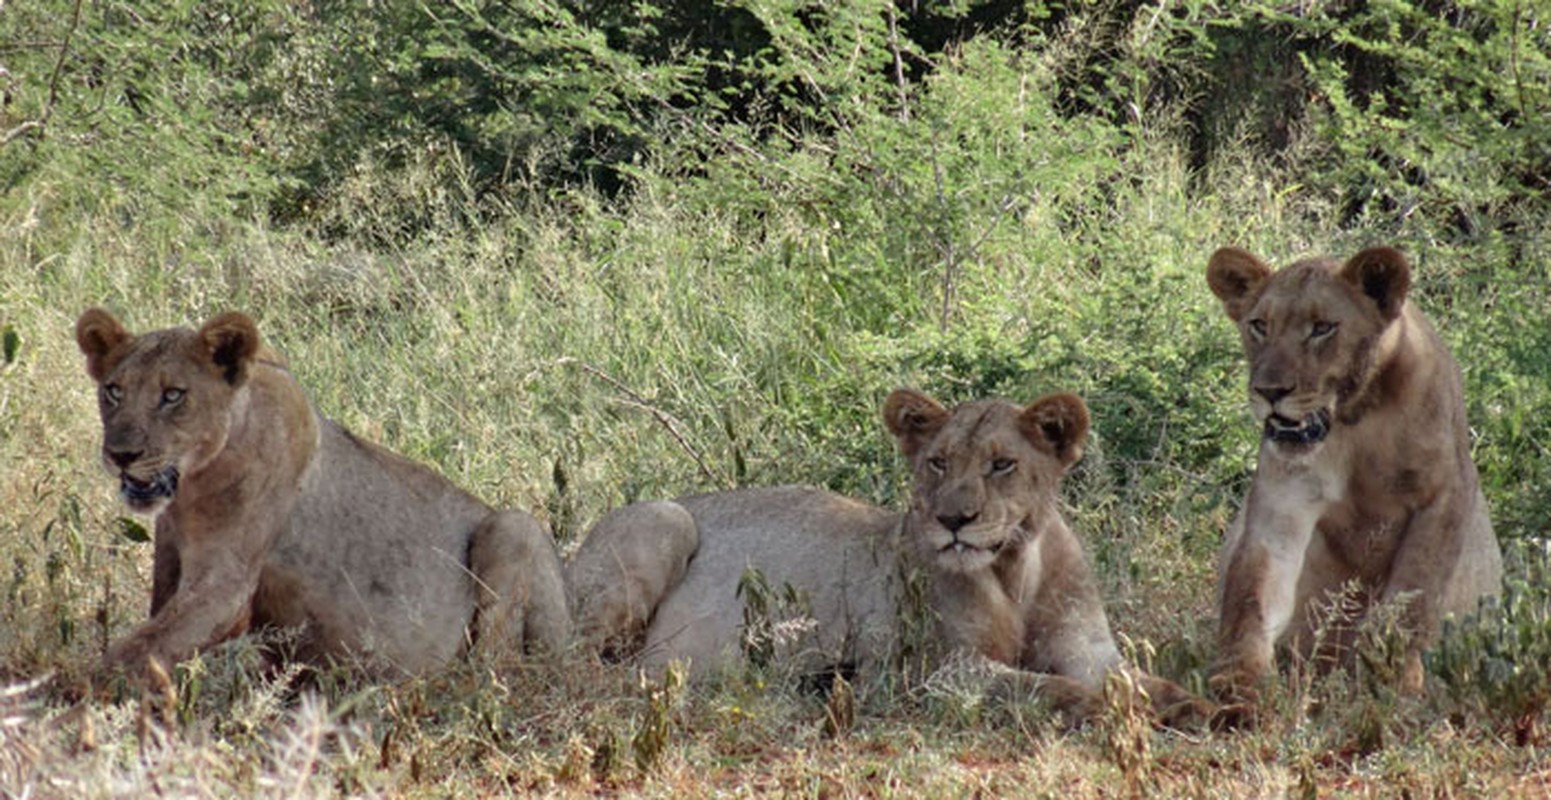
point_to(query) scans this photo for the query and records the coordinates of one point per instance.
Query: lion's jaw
(1291, 428)
(972, 548)
(150, 494)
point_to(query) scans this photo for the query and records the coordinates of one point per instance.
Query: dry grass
(569, 360)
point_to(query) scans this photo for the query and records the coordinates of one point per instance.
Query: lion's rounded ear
(1058, 424)
(232, 339)
(1383, 275)
(98, 333)
(913, 418)
(1235, 276)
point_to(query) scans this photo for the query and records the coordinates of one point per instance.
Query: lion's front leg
(211, 603)
(1064, 695)
(1174, 705)
(1419, 578)
(1261, 568)
(166, 571)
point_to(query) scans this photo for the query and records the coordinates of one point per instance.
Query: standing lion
(268, 514)
(1364, 477)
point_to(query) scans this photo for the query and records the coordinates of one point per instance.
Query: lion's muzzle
(144, 495)
(1310, 430)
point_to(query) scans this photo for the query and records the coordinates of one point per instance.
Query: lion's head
(165, 397)
(1312, 332)
(985, 473)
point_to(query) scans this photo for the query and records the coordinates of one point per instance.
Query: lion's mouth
(958, 546)
(1312, 429)
(145, 494)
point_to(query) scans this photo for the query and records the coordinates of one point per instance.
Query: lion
(1005, 580)
(1364, 486)
(269, 515)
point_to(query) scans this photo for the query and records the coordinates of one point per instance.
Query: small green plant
(773, 620)
(654, 729)
(1493, 662)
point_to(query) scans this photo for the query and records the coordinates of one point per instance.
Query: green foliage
(10, 343)
(140, 103)
(131, 530)
(1493, 662)
(1429, 108)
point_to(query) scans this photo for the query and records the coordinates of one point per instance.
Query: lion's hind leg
(1067, 696)
(627, 564)
(1173, 705)
(521, 593)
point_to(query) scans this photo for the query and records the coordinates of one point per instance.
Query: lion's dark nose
(953, 522)
(1273, 393)
(123, 458)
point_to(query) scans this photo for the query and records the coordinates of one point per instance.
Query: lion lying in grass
(268, 514)
(1005, 579)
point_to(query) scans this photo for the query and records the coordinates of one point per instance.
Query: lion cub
(1005, 579)
(268, 514)
(1364, 477)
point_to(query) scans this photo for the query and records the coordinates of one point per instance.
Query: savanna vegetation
(576, 253)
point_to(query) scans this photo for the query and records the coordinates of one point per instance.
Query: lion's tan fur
(1388, 501)
(1018, 591)
(280, 517)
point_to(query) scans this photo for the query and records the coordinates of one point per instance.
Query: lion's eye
(1002, 466)
(172, 396)
(1322, 329)
(113, 394)
(937, 464)
(1257, 328)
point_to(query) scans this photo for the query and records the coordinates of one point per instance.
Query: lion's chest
(1360, 496)
(1365, 528)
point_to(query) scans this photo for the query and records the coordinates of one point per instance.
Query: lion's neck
(272, 430)
(977, 614)
(1383, 379)
(987, 610)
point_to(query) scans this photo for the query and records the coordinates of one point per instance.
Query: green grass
(566, 354)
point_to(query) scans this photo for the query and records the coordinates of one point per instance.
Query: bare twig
(1008, 201)
(952, 255)
(18, 131)
(899, 66)
(945, 241)
(59, 64)
(53, 85)
(668, 421)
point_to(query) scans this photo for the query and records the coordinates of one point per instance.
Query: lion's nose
(953, 522)
(123, 458)
(1273, 393)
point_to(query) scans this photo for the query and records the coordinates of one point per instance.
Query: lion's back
(838, 555)
(377, 550)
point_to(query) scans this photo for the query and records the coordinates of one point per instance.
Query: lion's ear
(232, 339)
(1383, 275)
(913, 418)
(1058, 424)
(1235, 276)
(98, 333)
